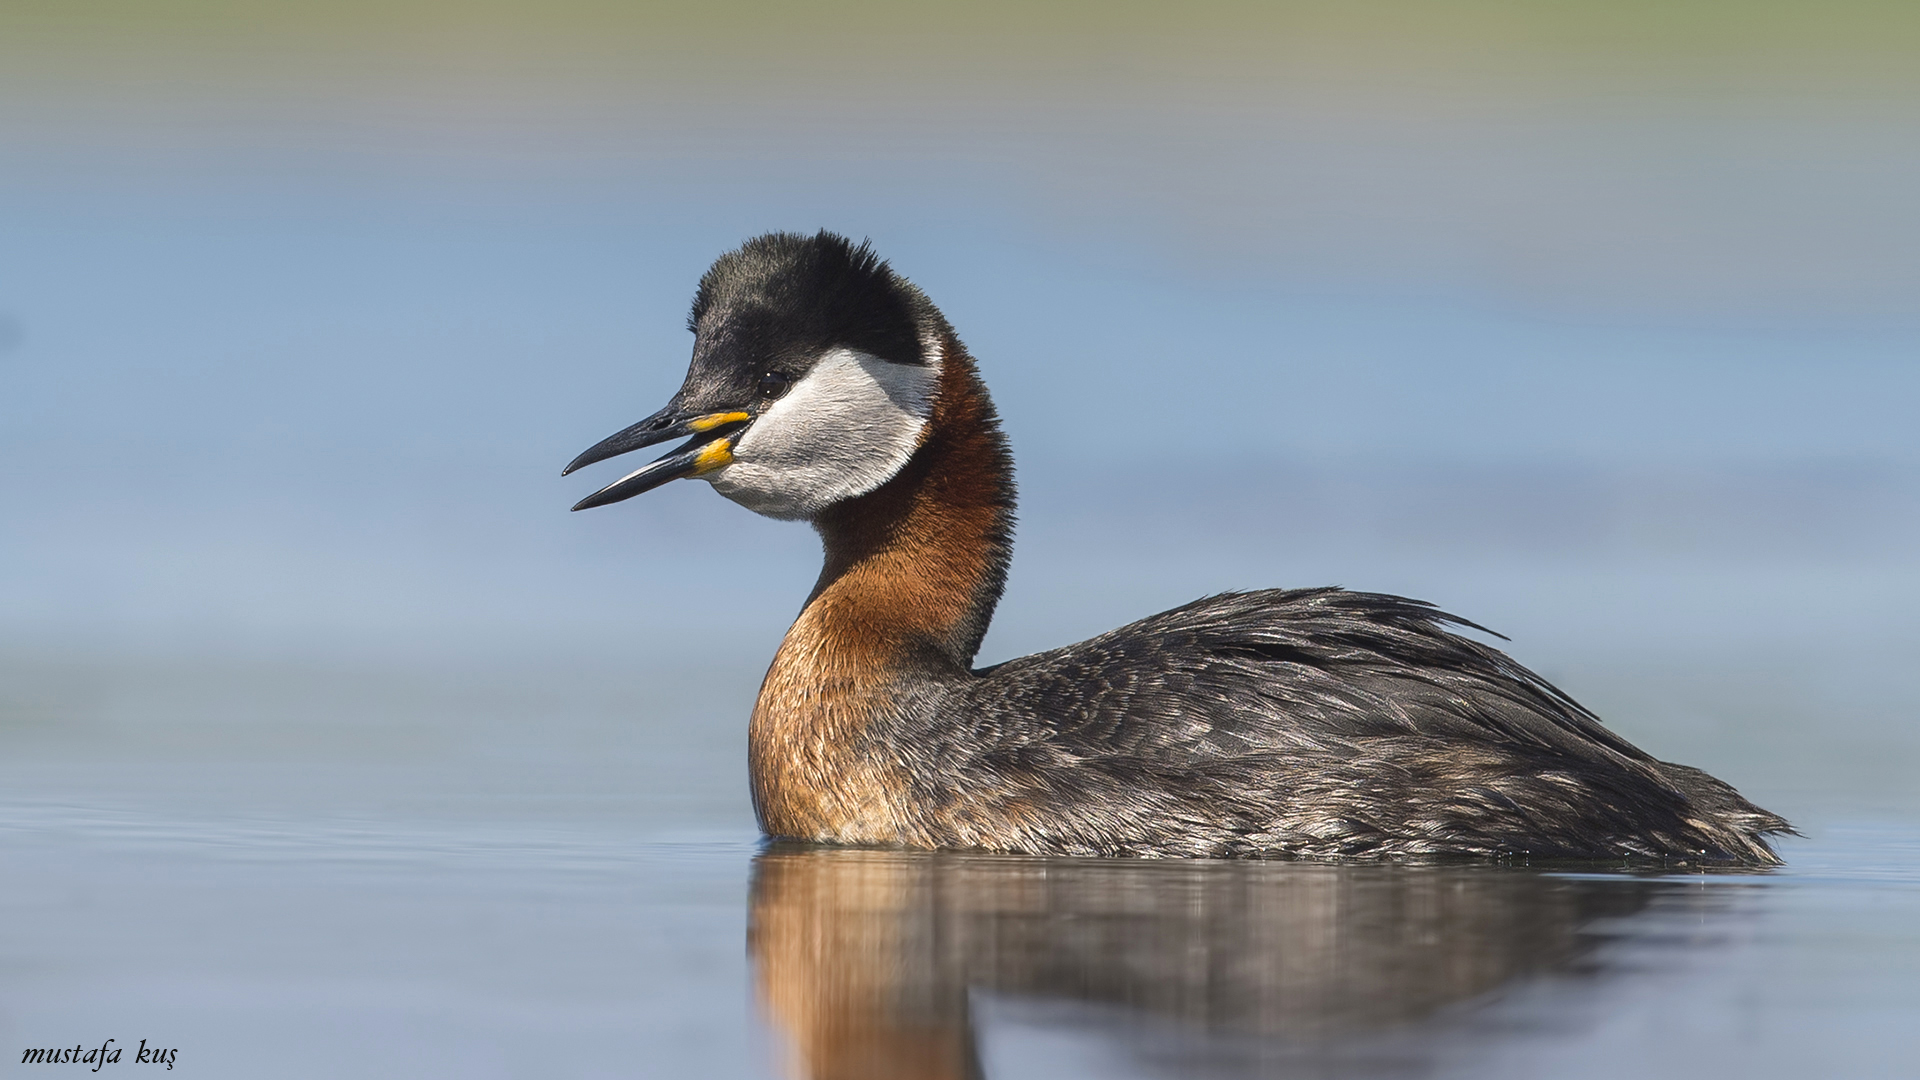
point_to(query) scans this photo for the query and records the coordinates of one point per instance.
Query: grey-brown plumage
(1313, 722)
(1308, 722)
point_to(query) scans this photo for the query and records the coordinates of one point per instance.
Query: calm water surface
(273, 891)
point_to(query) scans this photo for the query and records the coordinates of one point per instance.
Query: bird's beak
(710, 447)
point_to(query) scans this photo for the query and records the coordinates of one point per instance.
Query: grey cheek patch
(843, 430)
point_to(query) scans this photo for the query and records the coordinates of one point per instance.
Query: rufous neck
(914, 568)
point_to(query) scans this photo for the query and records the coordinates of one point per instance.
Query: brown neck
(913, 571)
(915, 567)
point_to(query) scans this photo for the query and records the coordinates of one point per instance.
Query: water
(315, 871)
(308, 949)
(331, 745)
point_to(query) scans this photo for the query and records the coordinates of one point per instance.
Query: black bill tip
(699, 456)
(671, 422)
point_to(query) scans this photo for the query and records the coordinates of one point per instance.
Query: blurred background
(1596, 323)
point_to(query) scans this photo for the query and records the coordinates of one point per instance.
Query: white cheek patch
(843, 430)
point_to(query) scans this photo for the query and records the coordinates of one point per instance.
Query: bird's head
(813, 378)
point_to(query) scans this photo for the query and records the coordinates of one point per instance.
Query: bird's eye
(774, 383)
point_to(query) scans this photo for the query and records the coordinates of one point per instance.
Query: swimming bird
(825, 387)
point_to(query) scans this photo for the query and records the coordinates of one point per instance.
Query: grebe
(824, 387)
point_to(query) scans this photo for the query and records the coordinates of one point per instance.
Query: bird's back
(1313, 722)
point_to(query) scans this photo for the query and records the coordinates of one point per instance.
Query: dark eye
(774, 383)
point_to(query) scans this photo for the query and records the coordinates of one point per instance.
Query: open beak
(710, 447)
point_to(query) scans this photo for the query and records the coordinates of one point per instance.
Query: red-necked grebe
(1311, 722)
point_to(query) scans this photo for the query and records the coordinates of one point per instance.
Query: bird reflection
(866, 959)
